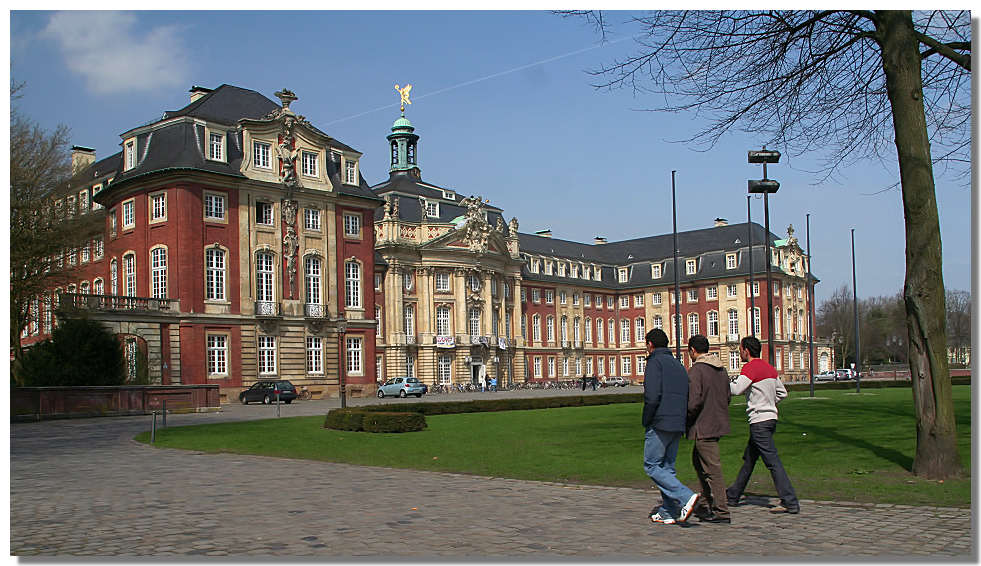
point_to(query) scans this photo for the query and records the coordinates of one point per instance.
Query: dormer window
(690, 266)
(130, 153)
(655, 271)
(450, 195)
(432, 209)
(309, 163)
(548, 268)
(260, 155)
(562, 269)
(534, 266)
(216, 146)
(623, 274)
(730, 261)
(350, 173)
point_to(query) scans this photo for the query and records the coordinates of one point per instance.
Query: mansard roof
(408, 189)
(226, 104)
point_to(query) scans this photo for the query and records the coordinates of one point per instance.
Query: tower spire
(402, 141)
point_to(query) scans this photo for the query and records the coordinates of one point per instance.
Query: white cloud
(114, 55)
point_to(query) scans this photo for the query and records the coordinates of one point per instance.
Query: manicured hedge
(411, 416)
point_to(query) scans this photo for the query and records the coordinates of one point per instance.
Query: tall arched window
(550, 328)
(776, 319)
(129, 274)
(576, 330)
(158, 273)
(612, 334)
(658, 322)
(599, 330)
(713, 323)
(639, 330)
(692, 324)
(443, 321)
(113, 277)
(588, 327)
(312, 269)
(564, 329)
(536, 328)
(264, 277)
(215, 274)
(624, 330)
(352, 284)
(410, 320)
(733, 324)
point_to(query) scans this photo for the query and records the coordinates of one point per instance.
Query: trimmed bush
(80, 352)
(345, 419)
(394, 422)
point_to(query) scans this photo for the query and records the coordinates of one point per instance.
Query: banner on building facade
(502, 343)
(444, 342)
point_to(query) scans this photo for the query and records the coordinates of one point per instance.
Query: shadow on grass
(894, 456)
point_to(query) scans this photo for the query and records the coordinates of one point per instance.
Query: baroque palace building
(241, 243)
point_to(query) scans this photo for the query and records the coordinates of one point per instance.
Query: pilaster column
(488, 306)
(460, 294)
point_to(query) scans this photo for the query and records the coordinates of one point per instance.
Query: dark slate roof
(709, 246)
(408, 190)
(226, 104)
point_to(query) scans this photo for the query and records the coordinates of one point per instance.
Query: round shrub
(80, 352)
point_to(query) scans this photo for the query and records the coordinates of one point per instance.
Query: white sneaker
(657, 518)
(688, 508)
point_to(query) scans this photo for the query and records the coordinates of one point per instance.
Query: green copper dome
(403, 124)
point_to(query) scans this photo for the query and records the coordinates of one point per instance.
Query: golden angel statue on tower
(404, 93)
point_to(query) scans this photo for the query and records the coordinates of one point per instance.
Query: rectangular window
(624, 274)
(734, 361)
(625, 366)
(352, 284)
(562, 298)
(129, 214)
(352, 225)
(267, 355)
(690, 266)
(312, 272)
(656, 298)
(311, 219)
(551, 366)
(731, 290)
(641, 365)
(655, 271)
(549, 296)
(100, 248)
(730, 261)
(548, 268)
(578, 366)
(264, 213)
(216, 146)
(217, 354)
(624, 302)
(129, 273)
(432, 209)
(692, 295)
(315, 354)
(214, 207)
(260, 155)
(624, 330)
(600, 365)
(130, 154)
(609, 302)
(350, 173)
(95, 190)
(445, 370)
(711, 293)
(639, 331)
(536, 295)
(713, 323)
(215, 276)
(565, 367)
(83, 202)
(354, 366)
(309, 163)
(575, 299)
(85, 253)
(158, 271)
(613, 365)
(442, 281)
(158, 209)
(589, 366)
(638, 300)
(538, 366)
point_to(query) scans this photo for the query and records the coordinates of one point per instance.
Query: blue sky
(504, 109)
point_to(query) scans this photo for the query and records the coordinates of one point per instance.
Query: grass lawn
(840, 446)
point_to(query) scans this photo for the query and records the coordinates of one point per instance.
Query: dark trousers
(708, 467)
(761, 445)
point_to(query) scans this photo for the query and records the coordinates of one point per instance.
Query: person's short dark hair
(752, 345)
(699, 343)
(657, 338)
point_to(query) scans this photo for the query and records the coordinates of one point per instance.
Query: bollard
(277, 403)
(153, 429)
(164, 424)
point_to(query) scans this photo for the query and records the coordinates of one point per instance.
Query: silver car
(401, 386)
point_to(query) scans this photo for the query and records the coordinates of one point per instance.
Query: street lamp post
(677, 284)
(858, 338)
(766, 186)
(752, 297)
(810, 309)
(341, 329)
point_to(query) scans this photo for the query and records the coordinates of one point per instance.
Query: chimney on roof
(599, 240)
(546, 233)
(198, 91)
(82, 157)
(721, 222)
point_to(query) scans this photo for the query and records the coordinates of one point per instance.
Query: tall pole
(771, 354)
(677, 283)
(810, 308)
(343, 368)
(752, 297)
(858, 341)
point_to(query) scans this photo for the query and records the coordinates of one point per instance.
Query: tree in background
(80, 352)
(41, 233)
(845, 83)
(959, 322)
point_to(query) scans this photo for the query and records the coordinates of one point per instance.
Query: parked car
(616, 381)
(845, 374)
(401, 386)
(265, 391)
(826, 376)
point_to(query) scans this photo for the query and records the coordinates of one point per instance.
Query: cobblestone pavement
(84, 488)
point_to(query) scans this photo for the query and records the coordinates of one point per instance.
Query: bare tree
(959, 321)
(847, 84)
(42, 233)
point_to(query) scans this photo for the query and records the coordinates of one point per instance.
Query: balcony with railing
(82, 301)
(314, 310)
(266, 308)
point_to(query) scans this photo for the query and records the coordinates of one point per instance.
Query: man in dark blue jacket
(664, 417)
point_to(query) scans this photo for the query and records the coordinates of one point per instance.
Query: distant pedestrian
(665, 408)
(708, 420)
(764, 390)
(493, 384)
(595, 381)
(584, 380)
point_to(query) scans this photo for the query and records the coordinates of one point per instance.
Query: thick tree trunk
(936, 439)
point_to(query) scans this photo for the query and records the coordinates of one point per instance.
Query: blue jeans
(660, 452)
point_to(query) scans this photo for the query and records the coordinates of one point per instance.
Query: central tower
(403, 144)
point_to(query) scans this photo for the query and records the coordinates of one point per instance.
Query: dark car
(265, 391)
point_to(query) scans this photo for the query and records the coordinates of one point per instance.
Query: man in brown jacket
(708, 420)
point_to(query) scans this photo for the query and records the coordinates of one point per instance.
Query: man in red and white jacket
(764, 390)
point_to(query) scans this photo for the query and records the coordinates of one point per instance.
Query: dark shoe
(714, 519)
(732, 502)
(782, 509)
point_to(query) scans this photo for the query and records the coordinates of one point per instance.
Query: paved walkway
(84, 488)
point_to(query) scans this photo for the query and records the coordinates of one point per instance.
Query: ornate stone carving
(513, 227)
(388, 207)
(500, 225)
(422, 210)
(476, 229)
(290, 241)
(395, 206)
